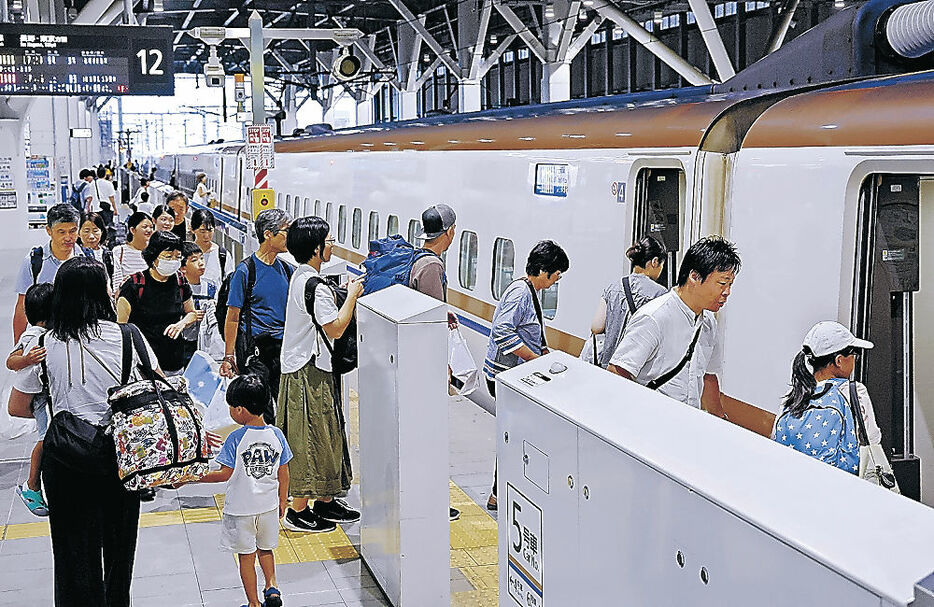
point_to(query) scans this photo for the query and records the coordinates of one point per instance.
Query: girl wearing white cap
(816, 416)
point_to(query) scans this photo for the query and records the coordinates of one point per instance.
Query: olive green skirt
(312, 420)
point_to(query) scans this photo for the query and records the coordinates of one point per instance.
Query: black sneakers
(335, 511)
(455, 514)
(306, 521)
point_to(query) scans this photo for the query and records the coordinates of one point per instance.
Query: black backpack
(37, 257)
(344, 351)
(224, 292)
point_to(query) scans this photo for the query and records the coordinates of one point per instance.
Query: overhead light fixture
(426, 58)
(550, 11)
(587, 3)
(346, 66)
(658, 17)
(494, 39)
(582, 15)
(838, 4)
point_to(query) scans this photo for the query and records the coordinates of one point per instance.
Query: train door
(658, 212)
(887, 288)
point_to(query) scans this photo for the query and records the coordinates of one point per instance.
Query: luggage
(157, 429)
(344, 351)
(389, 263)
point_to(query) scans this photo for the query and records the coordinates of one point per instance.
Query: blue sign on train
(552, 180)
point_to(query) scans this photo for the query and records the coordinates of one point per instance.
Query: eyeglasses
(329, 241)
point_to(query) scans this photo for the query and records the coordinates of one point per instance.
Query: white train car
(796, 179)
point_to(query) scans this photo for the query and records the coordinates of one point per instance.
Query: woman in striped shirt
(128, 258)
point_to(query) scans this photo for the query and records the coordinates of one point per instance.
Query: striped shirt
(127, 261)
(515, 324)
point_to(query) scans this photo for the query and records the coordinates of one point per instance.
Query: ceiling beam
(537, 48)
(712, 38)
(427, 37)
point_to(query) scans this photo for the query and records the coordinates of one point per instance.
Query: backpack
(390, 263)
(37, 257)
(221, 310)
(108, 256)
(76, 199)
(825, 431)
(344, 351)
(157, 430)
(139, 281)
(222, 259)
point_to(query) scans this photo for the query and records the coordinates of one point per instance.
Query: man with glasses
(259, 290)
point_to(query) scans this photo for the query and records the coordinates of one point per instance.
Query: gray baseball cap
(436, 220)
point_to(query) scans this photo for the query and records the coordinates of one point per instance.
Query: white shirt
(147, 189)
(301, 340)
(127, 261)
(202, 193)
(873, 433)
(29, 339)
(146, 207)
(77, 382)
(212, 265)
(103, 190)
(255, 454)
(657, 338)
(209, 338)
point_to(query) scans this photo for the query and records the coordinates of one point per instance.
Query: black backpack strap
(310, 287)
(145, 363)
(109, 262)
(36, 257)
(857, 411)
(127, 354)
(44, 373)
(627, 288)
(222, 258)
(250, 283)
(657, 383)
(538, 310)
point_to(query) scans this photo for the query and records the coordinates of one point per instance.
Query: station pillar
(365, 111)
(409, 102)
(469, 98)
(556, 82)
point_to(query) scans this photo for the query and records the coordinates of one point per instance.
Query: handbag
(874, 466)
(74, 442)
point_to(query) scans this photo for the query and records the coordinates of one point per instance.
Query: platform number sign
(526, 550)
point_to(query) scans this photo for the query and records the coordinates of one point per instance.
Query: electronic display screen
(85, 60)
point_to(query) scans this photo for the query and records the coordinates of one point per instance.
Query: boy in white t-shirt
(203, 333)
(254, 464)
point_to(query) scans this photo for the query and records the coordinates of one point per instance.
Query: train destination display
(85, 60)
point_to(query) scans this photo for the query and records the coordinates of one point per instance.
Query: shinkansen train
(826, 189)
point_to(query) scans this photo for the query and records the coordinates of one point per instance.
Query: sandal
(33, 500)
(273, 597)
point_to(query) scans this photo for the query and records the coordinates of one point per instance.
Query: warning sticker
(526, 562)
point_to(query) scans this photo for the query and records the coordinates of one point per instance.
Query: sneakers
(336, 511)
(491, 503)
(147, 495)
(306, 521)
(33, 500)
(455, 514)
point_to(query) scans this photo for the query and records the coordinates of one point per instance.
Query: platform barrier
(402, 377)
(611, 494)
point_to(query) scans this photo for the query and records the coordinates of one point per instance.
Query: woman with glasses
(158, 300)
(217, 263)
(816, 417)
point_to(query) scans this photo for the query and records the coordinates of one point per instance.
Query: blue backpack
(825, 431)
(76, 199)
(390, 263)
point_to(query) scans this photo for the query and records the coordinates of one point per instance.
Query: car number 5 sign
(526, 555)
(260, 152)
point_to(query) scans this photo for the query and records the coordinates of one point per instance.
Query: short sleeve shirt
(269, 297)
(255, 453)
(302, 340)
(50, 266)
(428, 277)
(657, 338)
(160, 305)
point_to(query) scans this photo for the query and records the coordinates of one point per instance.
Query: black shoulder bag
(627, 288)
(538, 312)
(658, 382)
(74, 442)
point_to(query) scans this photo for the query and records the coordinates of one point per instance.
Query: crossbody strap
(250, 283)
(313, 282)
(657, 383)
(44, 373)
(627, 288)
(538, 310)
(857, 411)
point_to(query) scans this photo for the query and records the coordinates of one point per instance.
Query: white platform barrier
(611, 494)
(405, 532)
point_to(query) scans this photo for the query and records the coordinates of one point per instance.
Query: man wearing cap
(428, 274)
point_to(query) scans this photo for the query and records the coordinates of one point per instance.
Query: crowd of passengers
(159, 269)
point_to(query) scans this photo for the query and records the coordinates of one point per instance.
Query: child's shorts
(40, 411)
(246, 534)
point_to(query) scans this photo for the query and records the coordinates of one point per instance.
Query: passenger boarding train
(828, 192)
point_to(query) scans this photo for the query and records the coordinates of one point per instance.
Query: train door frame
(639, 190)
(860, 216)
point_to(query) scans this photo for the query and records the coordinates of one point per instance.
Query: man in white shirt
(88, 192)
(671, 343)
(105, 192)
(143, 187)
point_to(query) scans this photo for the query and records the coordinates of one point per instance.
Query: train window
(549, 298)
(342, 224)
(328, 213)
(504, 261)
(357, 228)
(415, 228)
(392, 225)
(317, 208)
(373, 231)
(467, 270)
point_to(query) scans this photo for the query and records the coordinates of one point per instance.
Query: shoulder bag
(660, 381)
(874, 466)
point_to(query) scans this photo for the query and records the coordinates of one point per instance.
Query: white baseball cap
(827, 337)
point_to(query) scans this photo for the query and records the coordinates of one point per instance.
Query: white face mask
(168, 267)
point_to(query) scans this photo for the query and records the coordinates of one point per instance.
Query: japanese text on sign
(526, 555)
(259, 147)
(552, 179)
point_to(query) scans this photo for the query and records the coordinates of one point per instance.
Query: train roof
(889, 111)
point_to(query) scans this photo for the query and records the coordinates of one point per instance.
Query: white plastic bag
(217, 414)
(463, 367)
(13, 427)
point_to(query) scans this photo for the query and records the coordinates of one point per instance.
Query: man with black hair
(42, 263)
(671, 343)
(178, 202)
(106, 196)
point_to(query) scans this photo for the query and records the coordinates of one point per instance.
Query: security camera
(346, 66)
(214, 75)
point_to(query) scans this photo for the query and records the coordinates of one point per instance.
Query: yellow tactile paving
(26, 530)
(200, 515)
(484, 577)
(474, 552)
(475, 598)
(160, 519)
(460, 558)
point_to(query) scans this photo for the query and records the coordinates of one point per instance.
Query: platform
(178, 561)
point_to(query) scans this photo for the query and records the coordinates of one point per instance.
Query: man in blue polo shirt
(62, 227)
(266, 303)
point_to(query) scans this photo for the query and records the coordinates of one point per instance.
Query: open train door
(658, 212)
(886, 284)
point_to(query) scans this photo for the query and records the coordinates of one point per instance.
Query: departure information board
(85, 60)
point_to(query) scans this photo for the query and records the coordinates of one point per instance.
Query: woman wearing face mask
(128, 258)
(159, 302)
(164, 218)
